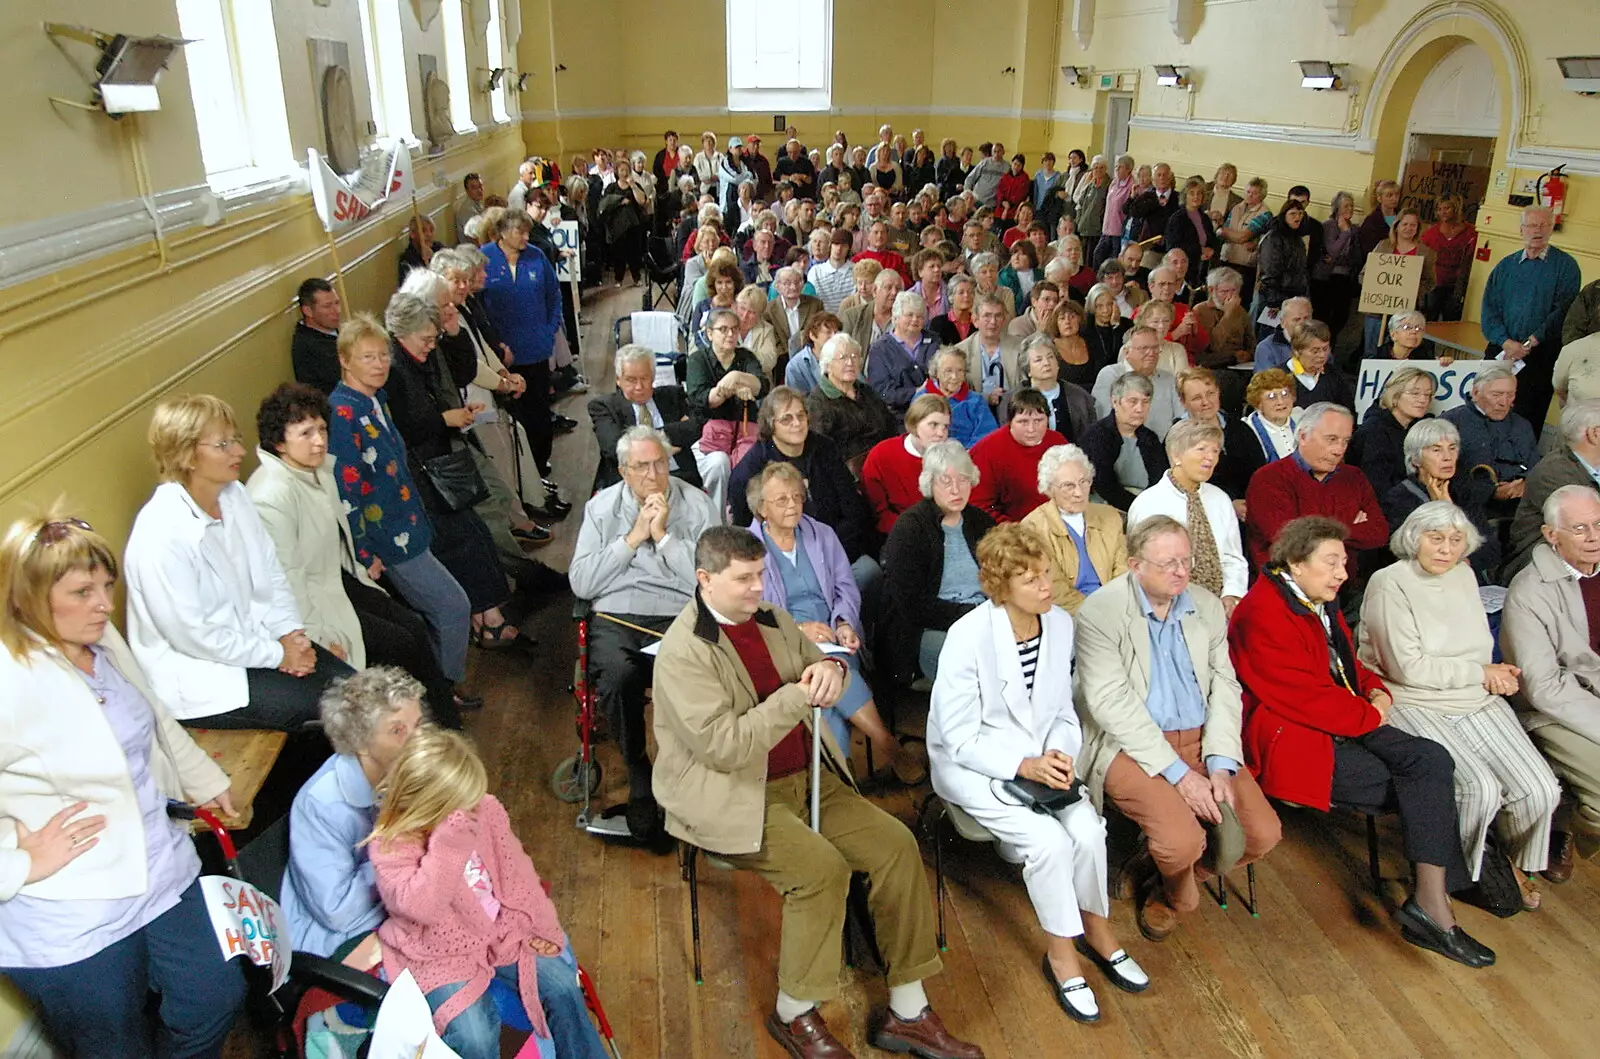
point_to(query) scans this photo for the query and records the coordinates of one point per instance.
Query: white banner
(1452, 383)
(384, 175)
(248, 923)
(570, 270)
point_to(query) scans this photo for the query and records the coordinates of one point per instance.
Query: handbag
(455, 478)
(724, 435)
(1041, 798)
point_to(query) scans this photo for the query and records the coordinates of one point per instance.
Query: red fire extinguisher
(1551, 189)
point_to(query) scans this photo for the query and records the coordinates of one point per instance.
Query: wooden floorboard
(1323, 971)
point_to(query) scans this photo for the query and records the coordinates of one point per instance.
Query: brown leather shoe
(807, 1037)
(923, 1036)
(1560, 866)
(1156, 918)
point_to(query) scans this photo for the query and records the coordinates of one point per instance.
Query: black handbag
(1041, 798)
(455, 478)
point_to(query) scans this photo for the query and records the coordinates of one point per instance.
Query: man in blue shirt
(1524, 305)
(1161, 711)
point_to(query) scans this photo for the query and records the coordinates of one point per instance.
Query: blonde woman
(97, 885)
(450, 871)
(1158, 316)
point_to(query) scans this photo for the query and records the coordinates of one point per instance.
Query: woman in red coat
(1316, 731)
(1015, 188)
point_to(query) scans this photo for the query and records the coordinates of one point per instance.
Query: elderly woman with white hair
(970, 418)
(897, 362)
(1185, 493)
(930, 560)
(330, 896)
(1432, 455)
(1126, 454)
(986, 277)
(854, 417)
(1086, 542)
(1407, 331)
(1378, 445)
(1424, 631)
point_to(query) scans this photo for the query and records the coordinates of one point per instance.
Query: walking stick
(816, 768)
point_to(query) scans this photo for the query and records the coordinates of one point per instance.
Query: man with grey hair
(790, 310)
(634, 564)
(1314, 480)
(1492, 434)
(527, 180)
(1276, 350)
(1548, 630)
(994, 365)
(638, 401)
(1141, 350)
(1576, 462)
(1524, 305)
(1153, 209)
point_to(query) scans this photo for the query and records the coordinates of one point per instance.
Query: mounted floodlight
(522, 82)
(1319, 75)
(1580, 73)
(496, 76)
(1172, 76)
(129, 67)
(1075, 75)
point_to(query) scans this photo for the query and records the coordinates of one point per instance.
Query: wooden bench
(246, 755)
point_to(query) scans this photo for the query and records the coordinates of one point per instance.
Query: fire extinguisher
(1551, 189)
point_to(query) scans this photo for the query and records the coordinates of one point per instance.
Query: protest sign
(1426, 182)
(1389, 284)
(404, 1028)
(384, 176)
(569, 269)
(248, 923)
(1452, 383)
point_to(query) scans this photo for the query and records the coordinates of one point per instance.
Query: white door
(1119, 109)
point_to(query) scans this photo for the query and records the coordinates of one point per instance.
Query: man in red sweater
(878, 250)
(1314, 480)
(735, 684)
(1008, 459)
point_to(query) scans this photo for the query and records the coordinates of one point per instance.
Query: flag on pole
(384, 175)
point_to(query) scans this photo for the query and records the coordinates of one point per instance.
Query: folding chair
(945, 815)
(664, 273)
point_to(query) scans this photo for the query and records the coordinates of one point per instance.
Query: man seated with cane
(736, 684)
(634, 563)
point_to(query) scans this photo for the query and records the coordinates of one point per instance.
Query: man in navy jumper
(1524, 304)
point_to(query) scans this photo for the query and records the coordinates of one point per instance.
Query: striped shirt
(832, 282)
(1028, 655)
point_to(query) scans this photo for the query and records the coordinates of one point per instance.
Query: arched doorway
(1452, 132)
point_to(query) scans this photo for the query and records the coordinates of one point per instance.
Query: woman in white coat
(99, 901)
(1002, 709)
(211, 617)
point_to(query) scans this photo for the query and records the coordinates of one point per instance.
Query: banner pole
(338, 269)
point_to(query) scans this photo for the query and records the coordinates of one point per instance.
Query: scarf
(1207, 560)
(954, 398)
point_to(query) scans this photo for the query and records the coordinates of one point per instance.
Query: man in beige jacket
(735, 684)
(1546, 630)
(1161, 711)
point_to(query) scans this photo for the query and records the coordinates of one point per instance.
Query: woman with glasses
(1266, 433)
(843, 407)
(1407, 331)
(1378, 445)
(1086, 542)
(785, 435)
(211, 616)
(98, 896)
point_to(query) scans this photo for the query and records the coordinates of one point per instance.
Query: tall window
(237, 92)
(497, 56)
(455, 64)
(780, 54)
(384, 46)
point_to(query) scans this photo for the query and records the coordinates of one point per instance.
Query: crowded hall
(549, 530)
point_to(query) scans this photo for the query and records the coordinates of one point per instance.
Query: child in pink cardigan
(465, 906)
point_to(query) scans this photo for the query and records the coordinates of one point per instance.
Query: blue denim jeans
(475, 1033)
(431, 590)
(95, 1008)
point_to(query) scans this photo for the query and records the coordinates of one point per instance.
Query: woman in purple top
(99, 899)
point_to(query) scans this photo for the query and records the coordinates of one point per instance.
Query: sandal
(497, 637)
(1531, 897)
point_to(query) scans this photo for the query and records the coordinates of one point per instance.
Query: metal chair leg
(693, 874)
(1374, 866)
(1219, 891)
(940, 819)
(1250, 882)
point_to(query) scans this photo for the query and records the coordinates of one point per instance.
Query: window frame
(453, 27)
(255, 112)
(747, 97)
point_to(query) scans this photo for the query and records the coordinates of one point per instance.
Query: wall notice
(1389, 283)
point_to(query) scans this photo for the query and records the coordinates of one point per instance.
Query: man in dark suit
(790, 311)
(638, 401)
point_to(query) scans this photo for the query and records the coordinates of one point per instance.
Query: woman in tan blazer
(1074, 528)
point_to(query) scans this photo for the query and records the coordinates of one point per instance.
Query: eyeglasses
(1408, 327)
(847, 358)
(722, 329)
(790, 419)
(60, 530)
(952, 481)
(1582, 529)
(1276, 395)
(648, 466)
(1172, 566)
(225, 444)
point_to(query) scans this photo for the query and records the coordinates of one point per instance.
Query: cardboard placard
(1425, 183)
(248, 923)
(566, 238)
(1389, 284)
(1452, 383)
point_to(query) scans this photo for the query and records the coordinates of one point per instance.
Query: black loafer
(1065, 996)
(1123, 970)
(1417, 927)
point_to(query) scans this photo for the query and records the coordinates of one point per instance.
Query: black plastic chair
(663, 274)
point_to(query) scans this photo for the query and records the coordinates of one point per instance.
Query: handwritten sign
(1389, 284)
(404, 1027)
(1452, 383)
(566, 238)
(248, 923)
(1425, 183)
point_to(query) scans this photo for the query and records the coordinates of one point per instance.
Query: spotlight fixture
(1580, 73)
(522, 82)
(126, 74)
(496, 76)
(1075, 75)
(1172, 76)
(1320, 75)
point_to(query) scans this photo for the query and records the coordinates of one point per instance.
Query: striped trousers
(1499, 773)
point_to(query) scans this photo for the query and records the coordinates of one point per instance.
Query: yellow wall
(86, 352)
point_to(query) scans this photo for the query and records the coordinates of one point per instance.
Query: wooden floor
(1321, 972)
